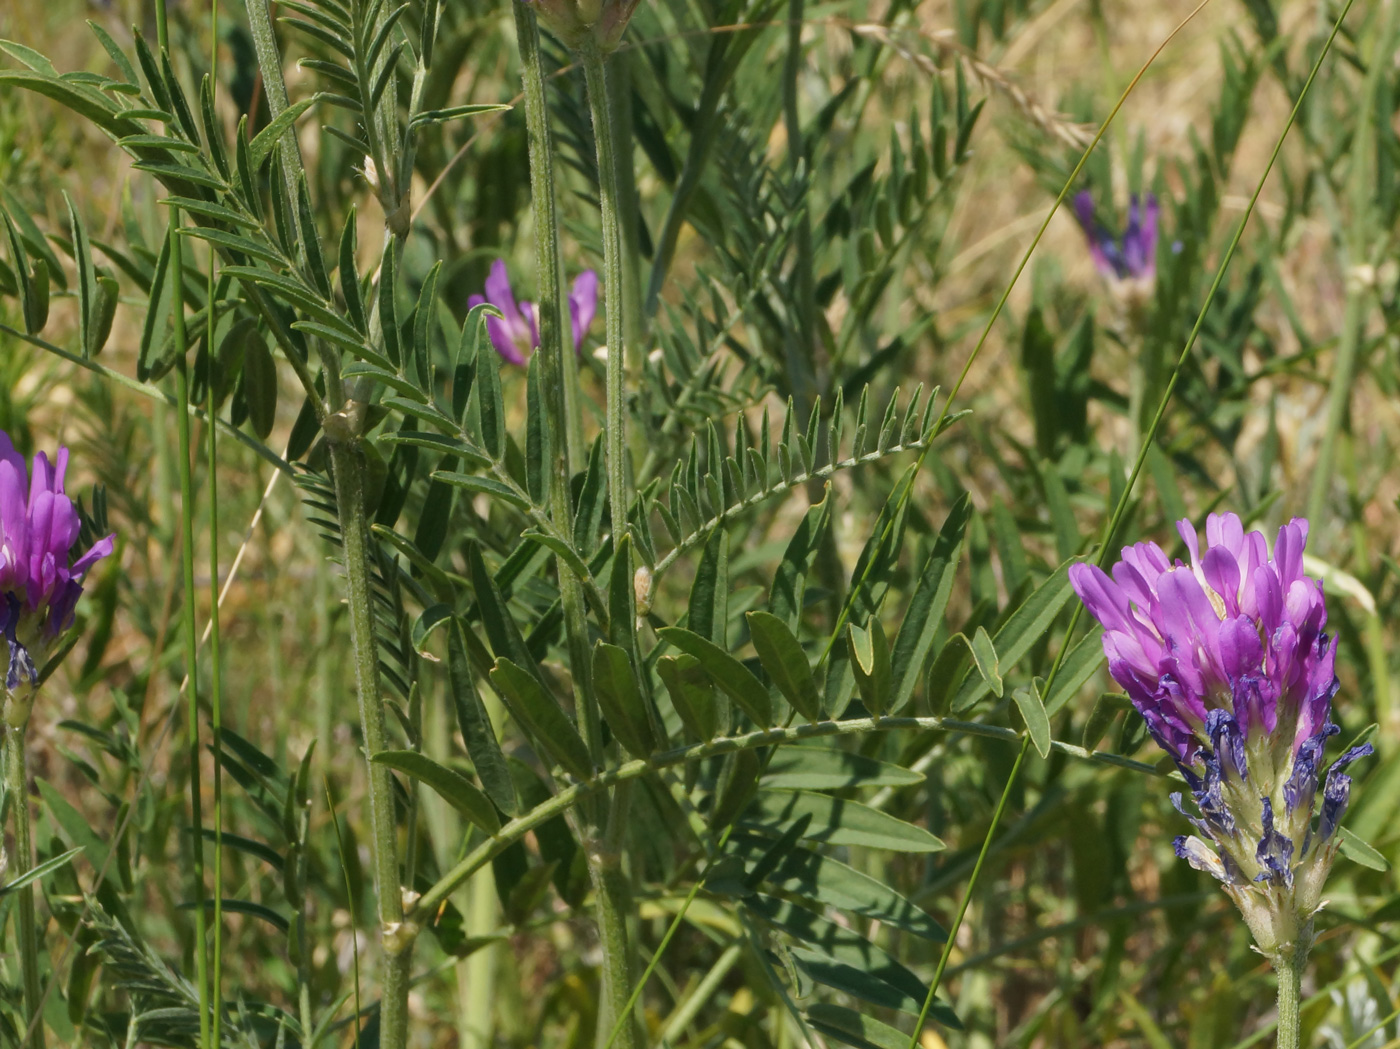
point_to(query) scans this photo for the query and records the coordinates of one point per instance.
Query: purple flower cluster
(1133, 256)
(518, 334)
(1229, 664)
(39, 526)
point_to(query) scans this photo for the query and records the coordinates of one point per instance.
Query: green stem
(619, 87)
(560, 367)
(396, 935)
(17, 783)
(1289, 970)
(216, 704)
(596, 76)
(613, 904)
(188, 631)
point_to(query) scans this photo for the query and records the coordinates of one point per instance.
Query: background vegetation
(822, 205)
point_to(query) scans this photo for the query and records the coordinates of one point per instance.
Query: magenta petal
(1187, 531)
(1241, 651)
(1222, 572)
(501, 339)
(583, 304)
(100, 549)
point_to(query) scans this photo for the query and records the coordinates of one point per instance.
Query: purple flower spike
(1133, 256)
(1227, 659)
(518, 335)
(39, 588)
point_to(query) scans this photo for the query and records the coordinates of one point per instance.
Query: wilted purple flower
(1130, 257)
(39, 526)
(518, 335)
(1227, 661)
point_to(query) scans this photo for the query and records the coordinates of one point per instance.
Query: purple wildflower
(1228, 662)
(518, 335)
(1133, 256)
(39, 526)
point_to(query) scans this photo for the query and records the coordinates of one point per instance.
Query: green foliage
(774, 719)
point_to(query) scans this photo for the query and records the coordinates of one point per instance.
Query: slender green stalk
(619, 85)
(1289, 970)
(613, 897)
(17, 784)
(687, 1011)
(215, 661)
(396, 935)
(613, 903)
(661, 949)
(188, 631)
(560, 367)
(801, 344)
(476, 977)
(596, 75)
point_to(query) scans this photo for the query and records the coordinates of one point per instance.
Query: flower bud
(579, 22)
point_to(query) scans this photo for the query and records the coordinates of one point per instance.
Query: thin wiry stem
(596, 76)
(188, 631)
(17, 785)
(396, 936)
(216, 706)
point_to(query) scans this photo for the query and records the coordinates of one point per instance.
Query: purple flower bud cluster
(39, 588)
(1229, 664)
(518, 335)
(1133, 256)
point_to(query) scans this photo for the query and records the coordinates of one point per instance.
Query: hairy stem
(1288, 967)
(560, 366)
(558, 369)
(17, 783)
(396, 936)
(595, 73)
(614, 905)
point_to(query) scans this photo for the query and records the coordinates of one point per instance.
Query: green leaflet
(835, 884)
(477, 732)
(837, 821)
(1022, 630)
(856, 1029)
(1078, 666)
(692, 694)
(870, 664)
(1027, 700)
(790, 581)
(620, 699)
(540, 714)
(820, 768)
(733, 678)
(924, 615)
(785, 662)
(454, 788)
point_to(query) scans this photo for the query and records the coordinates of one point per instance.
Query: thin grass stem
(189, 632)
